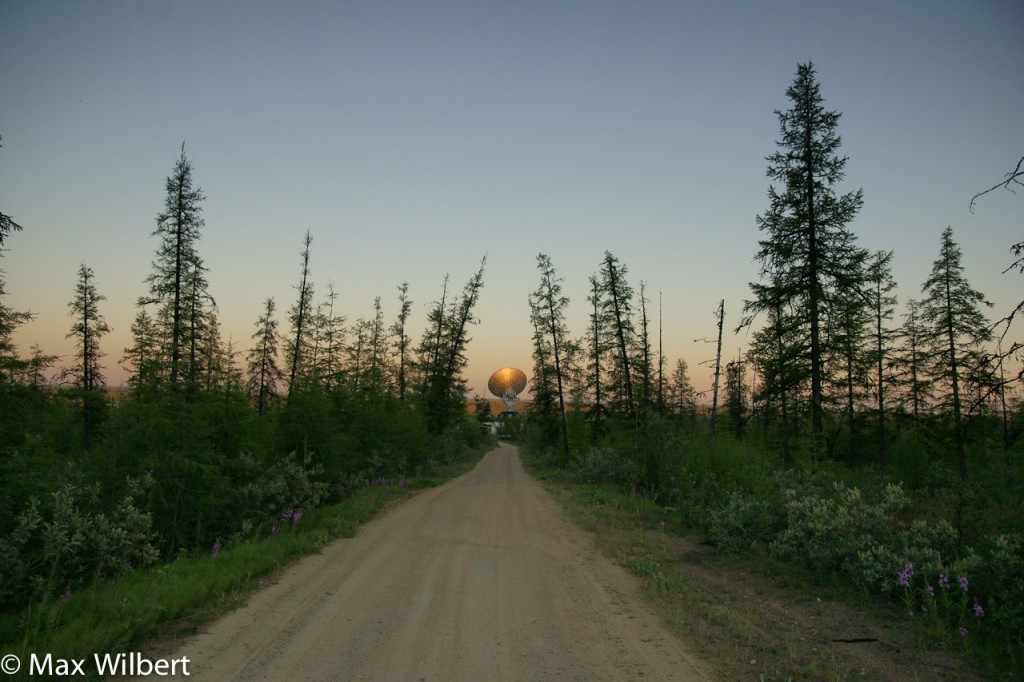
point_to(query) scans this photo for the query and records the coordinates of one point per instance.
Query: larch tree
(547, 305)
(595, 345)
(808, 254)
(882, 301)
(617, 310)
(955, 330)
(399, 330)
(88, 328)
(448, 334)
(299, 316)
(177, 283)
(143, 359)
(911, 374)
(681, 395)
(264, 373)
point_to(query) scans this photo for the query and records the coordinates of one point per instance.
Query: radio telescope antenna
(507, 383)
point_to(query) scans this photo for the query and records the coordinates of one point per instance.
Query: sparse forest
(863, 438)
(858, 445)
(209, 445)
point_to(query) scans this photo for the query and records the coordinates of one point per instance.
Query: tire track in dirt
(479, 579)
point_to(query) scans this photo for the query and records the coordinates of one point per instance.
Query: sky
(413, 138)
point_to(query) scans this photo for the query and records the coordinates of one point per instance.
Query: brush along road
(478, 579)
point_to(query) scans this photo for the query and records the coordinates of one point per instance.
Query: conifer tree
(88, 328)
(402, 340)
(955, 330)
(264, 373)
(911, 372)
(177, 283)
(299, 316)
(7, 224)
(882, 301)
(682, 397)
(142, 359)
(594, 343)
(547, 307)
(808, 255)
(617, 310)
(444, 352)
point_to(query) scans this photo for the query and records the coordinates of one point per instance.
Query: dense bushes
(859, 526)
(171, 475)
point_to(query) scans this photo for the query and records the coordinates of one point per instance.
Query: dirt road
(479, 579)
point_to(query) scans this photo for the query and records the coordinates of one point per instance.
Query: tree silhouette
(808, 256)
(955, 328)
(262, 360)
(177, 282)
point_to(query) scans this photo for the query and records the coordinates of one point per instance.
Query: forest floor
(487, 577)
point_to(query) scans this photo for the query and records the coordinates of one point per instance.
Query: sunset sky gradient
(413, 138)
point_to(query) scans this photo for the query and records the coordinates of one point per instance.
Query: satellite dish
(507, 383)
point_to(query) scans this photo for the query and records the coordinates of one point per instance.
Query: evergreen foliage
(809, 260)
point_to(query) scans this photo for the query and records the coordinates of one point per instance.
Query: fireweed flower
(979, 612)
(943, 580)
(296, 517)
(963, 631)
(906, 574)
(963, 582)
(287, 515)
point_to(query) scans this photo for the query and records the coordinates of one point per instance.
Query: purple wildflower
(979, 611)
(963, 582)
(931, 591)
(943, 580)
(66, 595)
(273, 529)
(906, 574)
(216, 548)
(963, 631)
(296, 517)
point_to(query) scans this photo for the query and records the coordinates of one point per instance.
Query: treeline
(843, 438)
(210, 444)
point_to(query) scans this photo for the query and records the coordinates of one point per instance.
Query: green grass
(174, 598)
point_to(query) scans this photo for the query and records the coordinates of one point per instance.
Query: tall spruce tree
(443, 353)
(882, 301)
(88, 328)
(402, 340)
(300, 316)
(547, 305)
(808, 255)
(264, 373)
(955, 330)
(177, 284)
(617, 310)
(595, 346)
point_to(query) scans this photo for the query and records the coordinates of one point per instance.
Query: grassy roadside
(750, 618)
(152, 606)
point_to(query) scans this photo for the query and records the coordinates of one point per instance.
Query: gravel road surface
(479, 579)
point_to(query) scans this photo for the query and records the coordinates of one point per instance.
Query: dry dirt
(479, 579)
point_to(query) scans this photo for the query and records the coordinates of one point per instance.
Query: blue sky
(412, 138)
